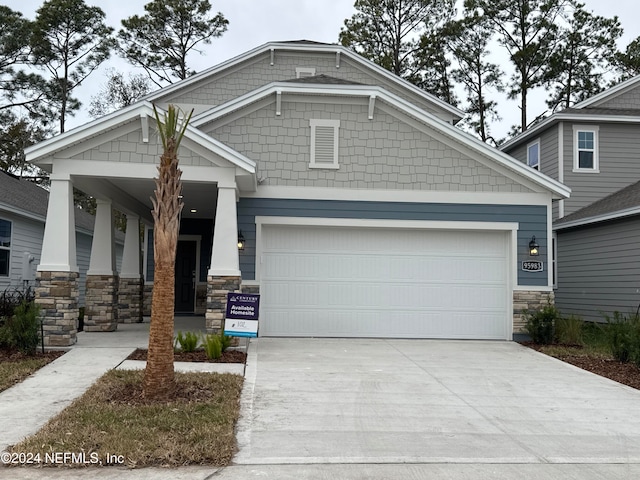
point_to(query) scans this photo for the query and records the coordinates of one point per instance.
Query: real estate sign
(241, 319)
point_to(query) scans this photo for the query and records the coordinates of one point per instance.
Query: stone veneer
(101, 303)
(130, 300)
(57, 296)
(217, 289)
(528, 300)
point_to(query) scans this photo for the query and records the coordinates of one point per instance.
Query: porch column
(101, 309)
(57, 274)
(130, 287)
(224, 271)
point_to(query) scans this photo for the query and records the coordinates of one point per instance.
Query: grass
(112, 418)
(12, 372)
(593, 343)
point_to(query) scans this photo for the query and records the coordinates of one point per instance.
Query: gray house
(593, 149)
(23, 210)
(359, 208)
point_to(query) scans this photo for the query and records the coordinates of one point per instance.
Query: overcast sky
(255, 22)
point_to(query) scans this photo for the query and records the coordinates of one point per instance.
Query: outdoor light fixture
(534, 247)
(240, 240)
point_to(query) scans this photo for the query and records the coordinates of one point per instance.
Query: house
(592, 148)
(23, 209)
(363, 211)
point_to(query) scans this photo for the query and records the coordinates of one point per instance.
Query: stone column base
(101, 303)
(217, 289)
(130, 300)
(528, 300)
(57, 296)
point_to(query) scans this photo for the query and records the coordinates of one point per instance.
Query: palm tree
(159, 376)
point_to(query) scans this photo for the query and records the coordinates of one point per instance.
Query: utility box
(28, 267)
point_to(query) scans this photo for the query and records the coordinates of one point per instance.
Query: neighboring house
(363, 210)
(593, 149)
(23, 209)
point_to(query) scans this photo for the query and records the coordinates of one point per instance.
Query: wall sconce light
(534, 248)
(241, 241)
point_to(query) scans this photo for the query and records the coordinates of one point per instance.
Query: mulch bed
(16, 356)
(228, 356)
(625, 373)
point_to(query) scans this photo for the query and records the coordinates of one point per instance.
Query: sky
(255, 22)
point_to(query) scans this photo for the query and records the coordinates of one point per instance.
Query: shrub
(10, 299)
(623, 337)
(540, 324)
(212, 344)
(569, 331)
(188, 342)
(21, 330)
(225, 341)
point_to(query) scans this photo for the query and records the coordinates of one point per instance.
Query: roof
(28, 199)
(311, 46)
(623, 203)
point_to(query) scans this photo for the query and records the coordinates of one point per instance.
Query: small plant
(623, 337)
(225, 341)
(569, 330)
(188, 341)
(540, 324)
(21, 330)
(212, 345)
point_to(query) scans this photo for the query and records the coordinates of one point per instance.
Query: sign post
(241, 319)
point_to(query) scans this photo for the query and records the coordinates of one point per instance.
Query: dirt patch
(228, 356)
(16, 356)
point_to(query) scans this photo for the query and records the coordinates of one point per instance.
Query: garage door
(378, 282)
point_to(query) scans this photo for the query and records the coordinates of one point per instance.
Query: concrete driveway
(338, 401)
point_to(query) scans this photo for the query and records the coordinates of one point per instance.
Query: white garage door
(377, 282)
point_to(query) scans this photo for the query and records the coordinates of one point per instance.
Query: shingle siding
(383, 153)
(532, 220)
(630, 99)
(599, 269)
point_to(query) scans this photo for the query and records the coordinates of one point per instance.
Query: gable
(254, 71)
(391, 151)
(628, 99)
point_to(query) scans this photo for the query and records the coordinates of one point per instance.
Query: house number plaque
(532, 266)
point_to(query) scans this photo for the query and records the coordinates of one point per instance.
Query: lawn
(113, 424)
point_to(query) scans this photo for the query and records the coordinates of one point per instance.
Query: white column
(131, 254)
(224, 256)
(59, 242)
(103, 259)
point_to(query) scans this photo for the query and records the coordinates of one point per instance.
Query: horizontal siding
(549, 152)
(619, 154)
(599, 270)
(532, 221)
(26, 236)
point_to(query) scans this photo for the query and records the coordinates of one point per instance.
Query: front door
(185, 276)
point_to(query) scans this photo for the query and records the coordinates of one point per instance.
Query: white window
(5, 247)
(533, 155)
(585, 156)
(302, 72)
(324, 143)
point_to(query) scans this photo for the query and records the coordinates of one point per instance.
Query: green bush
(225, 341)
(21, 331)
(188, 342)
(212, 344)
(540, 324)
(569, 330)
(623, 337)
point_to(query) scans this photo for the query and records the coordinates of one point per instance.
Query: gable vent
(324, 143)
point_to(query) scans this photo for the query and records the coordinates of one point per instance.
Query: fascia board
(628, 212)
(306, 48)
(353, 90)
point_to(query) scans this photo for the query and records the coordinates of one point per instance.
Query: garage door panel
(322, 281)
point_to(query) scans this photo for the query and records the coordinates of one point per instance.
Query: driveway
(339, 401)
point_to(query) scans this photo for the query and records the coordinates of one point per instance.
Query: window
(5, 247)
(324, 143)
(533, 155)
(302, 72)
(586, 149)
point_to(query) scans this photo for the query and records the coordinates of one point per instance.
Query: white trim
(507, 227)
(549, 242)
(561, 165)
(533, 288)
(410, 196)
(595, 130)
(302, 72)
(450, 131)
(534, 143)
(554, 260)
(332, 124)
(627, 212)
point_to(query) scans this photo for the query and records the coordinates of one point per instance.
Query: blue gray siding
(532, 221)
(599, 269)
(26, 236)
